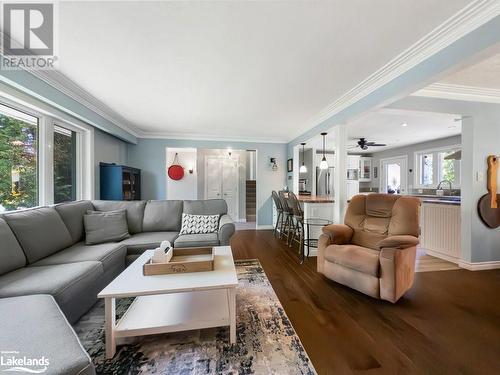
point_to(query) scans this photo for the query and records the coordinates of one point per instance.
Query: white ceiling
(484, 74)
(385, 126)
(251, 70)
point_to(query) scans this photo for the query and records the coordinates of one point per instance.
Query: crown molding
(69, 88)
(208, 137)
(460, 92)
(460, 24)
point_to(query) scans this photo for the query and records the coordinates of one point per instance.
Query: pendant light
(303, 168)
(324, 163)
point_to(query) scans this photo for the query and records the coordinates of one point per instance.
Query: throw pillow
(108, 226)
(195, 224)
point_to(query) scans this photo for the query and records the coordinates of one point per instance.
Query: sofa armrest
(398, 242)
(226, 229)
(339, 234)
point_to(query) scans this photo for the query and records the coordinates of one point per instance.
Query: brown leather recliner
(374, 251)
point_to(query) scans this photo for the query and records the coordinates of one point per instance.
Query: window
(426, 168)
(433, 166)
(46, 156)
(18, 159)
(64, 165)
(449, 169)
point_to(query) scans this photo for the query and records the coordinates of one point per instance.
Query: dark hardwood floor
(448, 323)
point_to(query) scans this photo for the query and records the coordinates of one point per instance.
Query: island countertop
(315, 199)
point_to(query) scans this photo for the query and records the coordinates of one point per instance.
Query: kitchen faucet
(439, 186)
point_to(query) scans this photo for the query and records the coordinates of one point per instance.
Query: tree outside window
(18, 161)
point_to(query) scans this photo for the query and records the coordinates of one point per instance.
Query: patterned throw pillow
(192, 224)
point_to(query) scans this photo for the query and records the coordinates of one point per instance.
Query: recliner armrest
(339, 234)
(398, 242)
(226, 229)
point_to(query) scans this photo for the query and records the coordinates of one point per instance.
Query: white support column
(340, 140)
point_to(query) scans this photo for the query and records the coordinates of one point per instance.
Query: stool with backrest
(297, 219)
(287, 215)
(374, 251)
(279, 210)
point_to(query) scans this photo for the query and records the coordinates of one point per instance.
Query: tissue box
(183, 260)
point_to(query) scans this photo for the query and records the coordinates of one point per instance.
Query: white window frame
(436, 166)
(47, 118)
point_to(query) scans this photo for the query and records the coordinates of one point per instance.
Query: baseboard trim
(442, 256)
(479, 266)
(264, 227)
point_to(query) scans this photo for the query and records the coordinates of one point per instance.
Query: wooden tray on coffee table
(184, 260)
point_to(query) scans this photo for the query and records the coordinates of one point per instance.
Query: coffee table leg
(110, 315)
(231, 296)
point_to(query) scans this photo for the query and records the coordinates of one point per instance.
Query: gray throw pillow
(193, 224)
(109, 226)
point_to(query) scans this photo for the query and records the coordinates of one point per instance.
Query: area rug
(266, 340)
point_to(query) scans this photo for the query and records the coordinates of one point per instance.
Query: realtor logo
(28, 35)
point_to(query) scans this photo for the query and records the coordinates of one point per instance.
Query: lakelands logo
(13, 361)
(28, 35)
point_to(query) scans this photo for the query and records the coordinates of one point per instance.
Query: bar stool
(298, 218)
(279, 209)
(287, 216)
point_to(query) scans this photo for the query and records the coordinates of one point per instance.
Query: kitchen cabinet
(440, 230)
(365, 169)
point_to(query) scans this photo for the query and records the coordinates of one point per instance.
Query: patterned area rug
(266, 340)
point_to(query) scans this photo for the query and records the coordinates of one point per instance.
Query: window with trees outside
(434, 166)
(18, 159)
(43, 158)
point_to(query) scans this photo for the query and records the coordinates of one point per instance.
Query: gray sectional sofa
(42, 250)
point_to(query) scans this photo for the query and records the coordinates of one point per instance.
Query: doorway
(393, 177)
(222, 181)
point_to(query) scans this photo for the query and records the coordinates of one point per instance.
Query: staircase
(251, 203)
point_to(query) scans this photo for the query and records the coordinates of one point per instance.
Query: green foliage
(18, 151)
(448, 170)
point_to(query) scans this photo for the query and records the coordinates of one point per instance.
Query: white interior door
(213, 179)
(393, 176)
(230, 183)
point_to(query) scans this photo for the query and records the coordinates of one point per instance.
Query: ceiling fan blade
(351, 147)
(377, 144)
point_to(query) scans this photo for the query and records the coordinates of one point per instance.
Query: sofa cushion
(40, 231)
(355, 257)
(192, 224)
(206, 207)
(109, 254)
(72, 216)
(162, 215)
(135, 212)
(35, 327)
(67, 283)
(140, 242)
(197, 240)
(11, 255)
(107, 226)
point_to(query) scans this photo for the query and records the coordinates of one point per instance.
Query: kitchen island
(318, 207)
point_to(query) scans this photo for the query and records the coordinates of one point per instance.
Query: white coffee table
(170, 303)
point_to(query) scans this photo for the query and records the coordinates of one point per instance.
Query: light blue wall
(107, 149)
(480, 138)
(149, 155)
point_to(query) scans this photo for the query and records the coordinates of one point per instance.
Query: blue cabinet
(119, 182)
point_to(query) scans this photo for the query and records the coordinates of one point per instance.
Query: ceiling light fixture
(404, 124)
(303, 168)
(324, 163)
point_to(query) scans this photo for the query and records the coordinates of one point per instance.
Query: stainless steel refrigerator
(324, 181)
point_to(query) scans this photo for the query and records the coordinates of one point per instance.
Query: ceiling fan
(363, 144)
